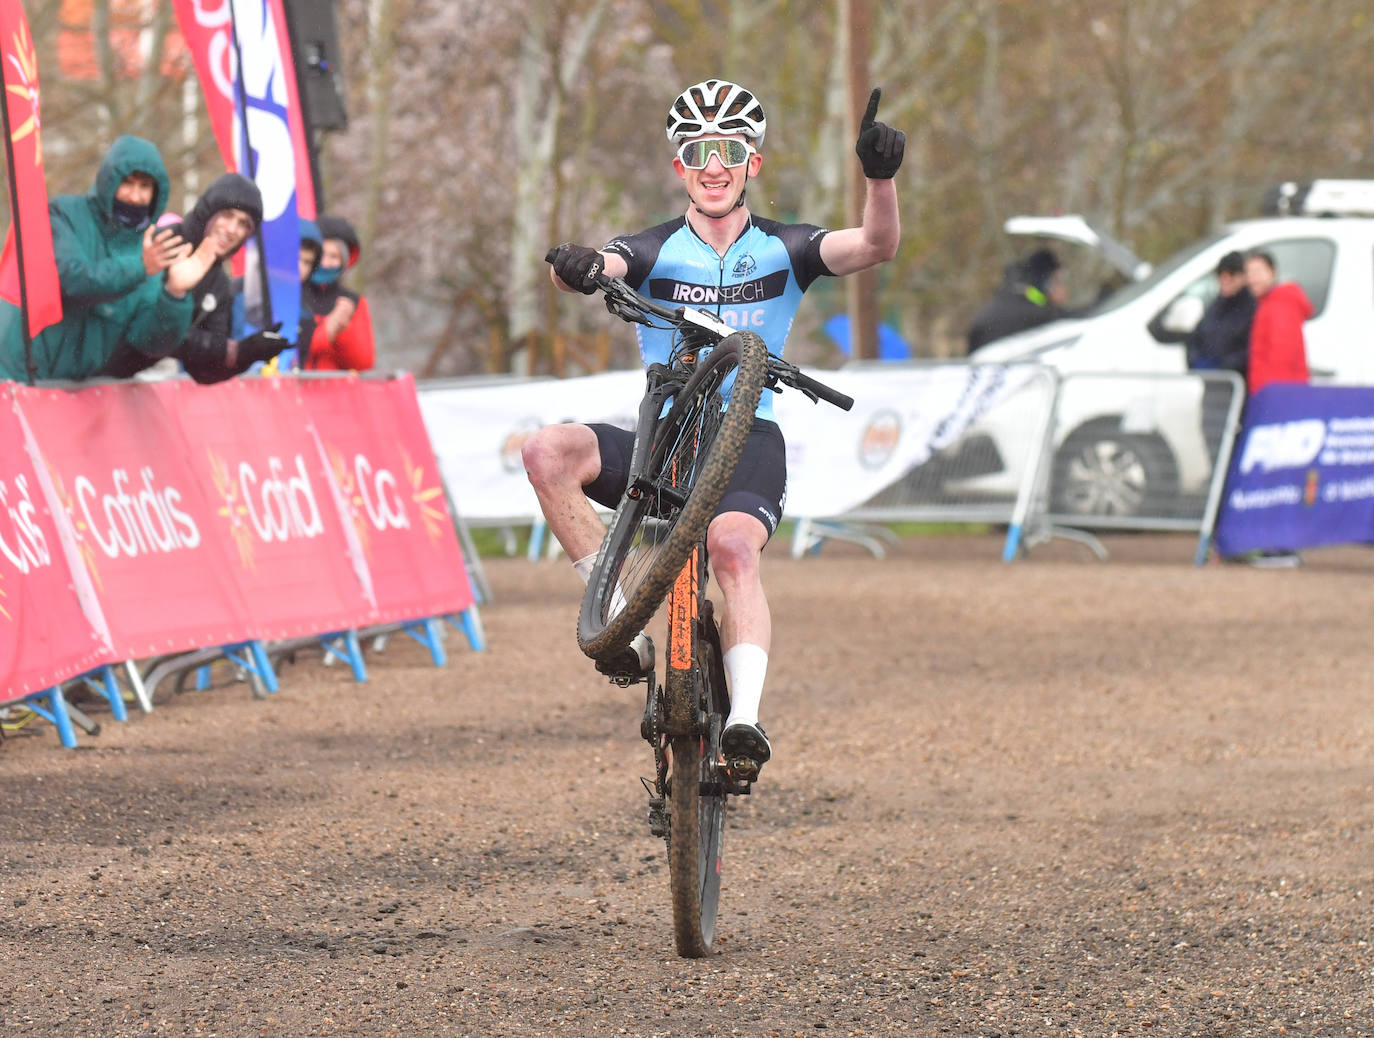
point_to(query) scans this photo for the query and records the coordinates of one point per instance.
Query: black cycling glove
(263, 345)
(880, 147)
(577, 266)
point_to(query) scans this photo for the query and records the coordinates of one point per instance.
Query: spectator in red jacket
(342, 339)
(1278, 352)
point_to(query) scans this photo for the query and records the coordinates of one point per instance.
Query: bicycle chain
(653, 729)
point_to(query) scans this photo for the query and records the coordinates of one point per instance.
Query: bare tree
(482, 133)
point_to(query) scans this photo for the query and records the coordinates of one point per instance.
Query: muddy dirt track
(1057, 797)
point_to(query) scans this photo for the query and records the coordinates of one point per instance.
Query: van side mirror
(1177, 320)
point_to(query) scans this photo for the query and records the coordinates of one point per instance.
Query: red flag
(28, 189)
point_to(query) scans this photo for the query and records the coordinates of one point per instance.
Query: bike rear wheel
(697, 803)
(695, 452)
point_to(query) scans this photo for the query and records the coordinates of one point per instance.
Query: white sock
(745, 667)
(583, 566)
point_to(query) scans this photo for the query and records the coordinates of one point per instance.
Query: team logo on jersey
(770, 286)
(744, 267)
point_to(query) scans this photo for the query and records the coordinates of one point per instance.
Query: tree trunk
(862, 289)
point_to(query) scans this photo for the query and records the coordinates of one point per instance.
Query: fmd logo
(1285, 445)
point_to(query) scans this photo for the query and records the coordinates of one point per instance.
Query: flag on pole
(28, 272)
(242, 55)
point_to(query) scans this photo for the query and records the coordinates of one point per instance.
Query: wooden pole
(861, 288)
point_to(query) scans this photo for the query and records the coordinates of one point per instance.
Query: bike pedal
(742, 769)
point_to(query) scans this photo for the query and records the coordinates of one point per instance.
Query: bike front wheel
(695, 451)
(696, 831)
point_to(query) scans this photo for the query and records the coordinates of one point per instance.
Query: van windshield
(1136, 289)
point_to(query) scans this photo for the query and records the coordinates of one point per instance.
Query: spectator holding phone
(225, 216)
(123, 279)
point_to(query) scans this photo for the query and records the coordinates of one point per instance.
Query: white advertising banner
(836, 459)
(477, 431)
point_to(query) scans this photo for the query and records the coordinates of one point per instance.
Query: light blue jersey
(756, 286)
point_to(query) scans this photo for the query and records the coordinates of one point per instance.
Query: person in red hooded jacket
(1278, 351)
(342, 339)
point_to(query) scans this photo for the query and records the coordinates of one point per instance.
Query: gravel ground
(1057, 797)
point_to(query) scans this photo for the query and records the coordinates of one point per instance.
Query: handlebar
(812, 388)
(629, 305)
(620, 296)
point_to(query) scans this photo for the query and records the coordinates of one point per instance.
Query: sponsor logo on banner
(279, 508)
(1283, 445)
(373, 497)
(377, 500)
(514, 443)
(232, 510)
(1303, 474)
(428, 498)
(879, 439)
(21, 539)
(78, 528)
(131, 515)
(128, 518)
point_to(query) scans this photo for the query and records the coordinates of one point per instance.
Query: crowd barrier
(1045, 453)
(911, 450)
(161, 520)
(1022, 446)
(1302, 474)
(840, 463)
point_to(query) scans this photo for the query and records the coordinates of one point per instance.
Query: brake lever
(783, 373)
(624, 311)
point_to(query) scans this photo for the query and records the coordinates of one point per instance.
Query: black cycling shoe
(633, 663)
(745, 749)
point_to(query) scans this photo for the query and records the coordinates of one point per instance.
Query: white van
(1123, 446)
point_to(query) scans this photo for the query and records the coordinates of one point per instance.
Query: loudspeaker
(319, 70)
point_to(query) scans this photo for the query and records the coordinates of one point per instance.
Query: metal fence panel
(969, 476)
(1142, 451)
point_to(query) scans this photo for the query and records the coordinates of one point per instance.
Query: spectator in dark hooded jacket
(1032, 293)
(225, 216)
(1221, 342)
(312, 244)
(122, 278)
(342, 337)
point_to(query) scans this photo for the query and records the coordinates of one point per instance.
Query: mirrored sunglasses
(695, 154)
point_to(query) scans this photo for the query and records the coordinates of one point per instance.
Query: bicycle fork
(672, 708)
(675, 708)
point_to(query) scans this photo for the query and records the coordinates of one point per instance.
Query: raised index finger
(872, 111)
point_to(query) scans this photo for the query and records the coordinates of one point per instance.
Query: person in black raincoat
(1032, 293)
(226, 215)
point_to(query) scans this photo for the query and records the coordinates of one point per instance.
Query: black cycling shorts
(758, 487)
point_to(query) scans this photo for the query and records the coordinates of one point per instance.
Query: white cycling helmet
(716, 106)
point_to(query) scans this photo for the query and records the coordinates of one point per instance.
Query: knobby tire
(602, 636)
(697, 802)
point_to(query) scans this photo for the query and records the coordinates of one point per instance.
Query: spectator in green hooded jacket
(122, 278)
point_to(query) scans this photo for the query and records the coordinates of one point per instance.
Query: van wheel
(1099, 470)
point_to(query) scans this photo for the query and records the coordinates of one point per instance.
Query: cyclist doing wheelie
(751, 273)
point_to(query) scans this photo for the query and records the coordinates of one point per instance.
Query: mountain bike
(694, 418)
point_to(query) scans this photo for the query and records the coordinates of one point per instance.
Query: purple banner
(1302, 472)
